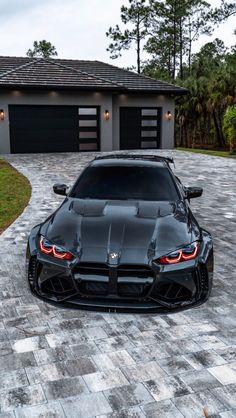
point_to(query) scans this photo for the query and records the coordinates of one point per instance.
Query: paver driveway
(56, 363)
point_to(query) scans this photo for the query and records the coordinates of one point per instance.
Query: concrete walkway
(75, 364)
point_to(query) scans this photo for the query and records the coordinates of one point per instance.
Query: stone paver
(68, 363)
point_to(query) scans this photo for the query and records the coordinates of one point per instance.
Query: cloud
(12, 8)
(76, 27)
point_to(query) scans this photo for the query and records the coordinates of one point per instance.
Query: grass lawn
(208, 152)
(15, 192)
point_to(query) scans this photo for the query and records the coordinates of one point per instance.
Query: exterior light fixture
(168, 115)
(2, 114)
(106, 115)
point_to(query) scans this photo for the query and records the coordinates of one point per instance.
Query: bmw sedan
(123, 239)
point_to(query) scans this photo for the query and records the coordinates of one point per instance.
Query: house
(60, 105)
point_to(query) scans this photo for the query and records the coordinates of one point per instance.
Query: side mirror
(60, 189)
(191, 192)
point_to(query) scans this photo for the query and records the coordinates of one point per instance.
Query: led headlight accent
(56, 251)
(186, 253)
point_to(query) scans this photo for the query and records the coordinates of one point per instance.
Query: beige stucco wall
(109, 129)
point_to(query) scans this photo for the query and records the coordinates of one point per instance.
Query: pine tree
(136, 15)
(42, 49)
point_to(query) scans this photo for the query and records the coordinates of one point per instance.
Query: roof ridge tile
(86, 73)
(163, 82)
(16, 68)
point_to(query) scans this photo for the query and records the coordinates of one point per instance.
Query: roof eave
(56, 87)
(174, 92)
(112, 89)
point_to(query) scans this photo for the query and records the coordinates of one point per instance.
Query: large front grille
(94, 288)
(135, 271)
(93, 270)
(131, 290)
(134, 280)
(100, 280)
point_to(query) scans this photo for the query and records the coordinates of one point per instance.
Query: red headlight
(187, 253)
(56, 251)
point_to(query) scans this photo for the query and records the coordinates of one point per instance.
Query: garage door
(53, 128)
(140, 128)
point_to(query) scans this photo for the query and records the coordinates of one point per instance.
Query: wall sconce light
(106, 115)
(2, 114)
(168, 115)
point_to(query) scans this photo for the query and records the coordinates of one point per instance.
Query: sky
(75, 27)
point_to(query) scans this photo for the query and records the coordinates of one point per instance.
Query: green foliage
(212, 90)
(214, 153)
(42, 49)
(155, 69)
(15, 193)
(229, 126)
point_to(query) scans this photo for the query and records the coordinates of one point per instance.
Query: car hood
(136, 231)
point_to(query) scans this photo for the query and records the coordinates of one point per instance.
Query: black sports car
(124, 238)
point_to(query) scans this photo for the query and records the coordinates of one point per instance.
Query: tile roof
(24, 72)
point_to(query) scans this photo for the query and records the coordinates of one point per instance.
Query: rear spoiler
(149, 157)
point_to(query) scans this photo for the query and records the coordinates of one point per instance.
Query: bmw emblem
(113, 258)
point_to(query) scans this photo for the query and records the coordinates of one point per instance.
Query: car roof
(132, 159)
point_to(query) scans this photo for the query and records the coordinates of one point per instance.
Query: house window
(89, 131)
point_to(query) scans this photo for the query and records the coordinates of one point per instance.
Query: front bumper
(126, 288)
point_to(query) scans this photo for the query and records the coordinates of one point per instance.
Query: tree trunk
(218, 131)
(221, 129)
(174, 44)
(138, 47)
(181, 49)
(190, 48)
(185, 136)
(169, 64)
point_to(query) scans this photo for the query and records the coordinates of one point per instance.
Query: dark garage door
(140, 128)
(52, 129)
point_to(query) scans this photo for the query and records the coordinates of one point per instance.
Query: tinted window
(125, 182)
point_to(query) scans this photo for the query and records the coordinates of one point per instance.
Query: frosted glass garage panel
(149, 144)
(89, 111)
(91, 146)
(87, 123)
(148, 134)
(88, 134)
(148, 122)
(149, 112)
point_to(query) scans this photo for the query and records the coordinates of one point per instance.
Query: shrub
(229, 126)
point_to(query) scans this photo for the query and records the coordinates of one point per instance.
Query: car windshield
(126, 182)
